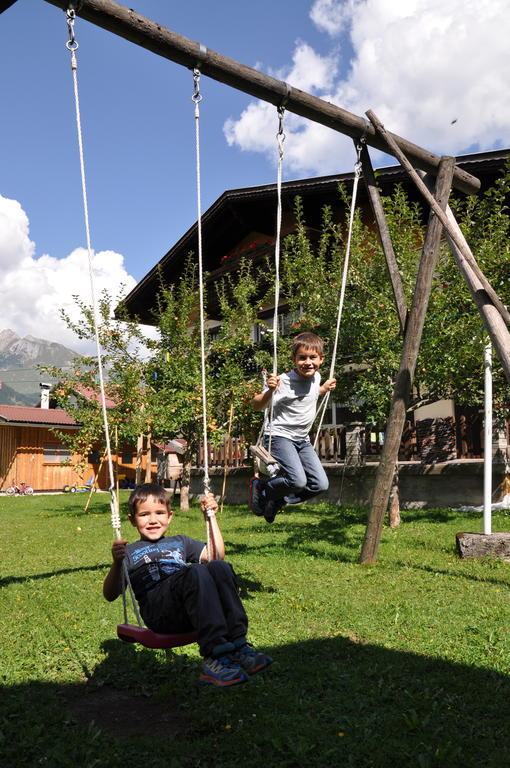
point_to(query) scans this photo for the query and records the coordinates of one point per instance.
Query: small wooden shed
(30, 452)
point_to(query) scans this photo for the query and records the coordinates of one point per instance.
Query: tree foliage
(159, 391)
(450, 363)
(123, 349)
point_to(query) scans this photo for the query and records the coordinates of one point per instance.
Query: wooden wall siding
(22, 460)
(7, 456)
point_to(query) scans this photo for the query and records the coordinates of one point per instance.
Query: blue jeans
(302, 474)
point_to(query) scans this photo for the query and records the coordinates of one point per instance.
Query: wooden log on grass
(484, 545)
(405, 375)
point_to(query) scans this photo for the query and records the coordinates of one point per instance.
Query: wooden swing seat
(129, 633)
(266, 464)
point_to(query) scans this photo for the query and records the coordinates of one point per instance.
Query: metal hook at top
(71, 44)
(363, 138)
(360, 144)
(197, 96)
(280, 136)
(358, 165)
(281, 116)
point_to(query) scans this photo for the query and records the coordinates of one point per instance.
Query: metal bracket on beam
(202, 56)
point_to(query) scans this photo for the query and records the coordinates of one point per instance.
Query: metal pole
(487, 446)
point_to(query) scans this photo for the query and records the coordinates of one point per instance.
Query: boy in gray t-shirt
(294, 396)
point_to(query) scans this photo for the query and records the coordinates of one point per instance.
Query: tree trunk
(394, 507)
(185, 482)
(139, 451)
(148, 459)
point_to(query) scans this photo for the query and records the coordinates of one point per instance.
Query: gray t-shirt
(294, 406)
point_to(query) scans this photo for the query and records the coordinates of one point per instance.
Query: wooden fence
(232, 453)
(465, 441)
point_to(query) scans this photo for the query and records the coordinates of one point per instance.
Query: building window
(336, 414)
(56, 454)
(127, 457)
(94, 457)
(285, 320)
(214, 332)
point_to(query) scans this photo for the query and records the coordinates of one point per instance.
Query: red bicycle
(19, 489)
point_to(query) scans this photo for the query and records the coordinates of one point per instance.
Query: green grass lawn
(401, 664)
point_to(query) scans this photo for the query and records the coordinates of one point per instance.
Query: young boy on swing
(179, 589)
(286, 437)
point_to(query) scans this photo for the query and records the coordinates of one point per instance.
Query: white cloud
(332, 16)
(434, 71)
(33, 289)
(257, 127)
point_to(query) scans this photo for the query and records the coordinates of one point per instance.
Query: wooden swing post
(484, 294)
(404, 380)
(374, 197)
(492, 319)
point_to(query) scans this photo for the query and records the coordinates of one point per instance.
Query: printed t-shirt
(151, 562)
(294, 406)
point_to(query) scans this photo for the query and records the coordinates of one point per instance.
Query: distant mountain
(9, 396)
(19, 358)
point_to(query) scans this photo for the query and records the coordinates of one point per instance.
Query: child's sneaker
(222, 671)
(250, 660)
(256, 503)
(271, 509)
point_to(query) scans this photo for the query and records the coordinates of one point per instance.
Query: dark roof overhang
(238, 212)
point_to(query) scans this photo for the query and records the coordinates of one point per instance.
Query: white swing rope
(72, 46)
(357, 173)
(280, 138)
(197, 98)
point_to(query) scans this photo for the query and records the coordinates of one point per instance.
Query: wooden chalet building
(242, 223)
(30, 452)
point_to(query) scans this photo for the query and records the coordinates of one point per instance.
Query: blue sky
(433, 71)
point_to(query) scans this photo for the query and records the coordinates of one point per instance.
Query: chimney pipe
(45, 394)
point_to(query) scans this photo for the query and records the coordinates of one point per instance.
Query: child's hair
(308, 340)
(142, 493)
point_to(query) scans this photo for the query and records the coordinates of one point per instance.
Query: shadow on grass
(435, 515)
(6, 580)
(481, 579)
(246, 583)
(323, 701)
(333, 527)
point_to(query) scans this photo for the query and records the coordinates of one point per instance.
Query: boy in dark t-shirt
(179, 589)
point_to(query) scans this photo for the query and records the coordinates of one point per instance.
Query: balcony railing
(439, 440)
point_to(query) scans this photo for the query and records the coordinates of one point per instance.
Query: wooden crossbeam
(142, 31)
(4, 4)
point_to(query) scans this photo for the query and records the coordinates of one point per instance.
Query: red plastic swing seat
(129, 633)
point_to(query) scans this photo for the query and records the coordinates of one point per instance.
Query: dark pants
(202, 597)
